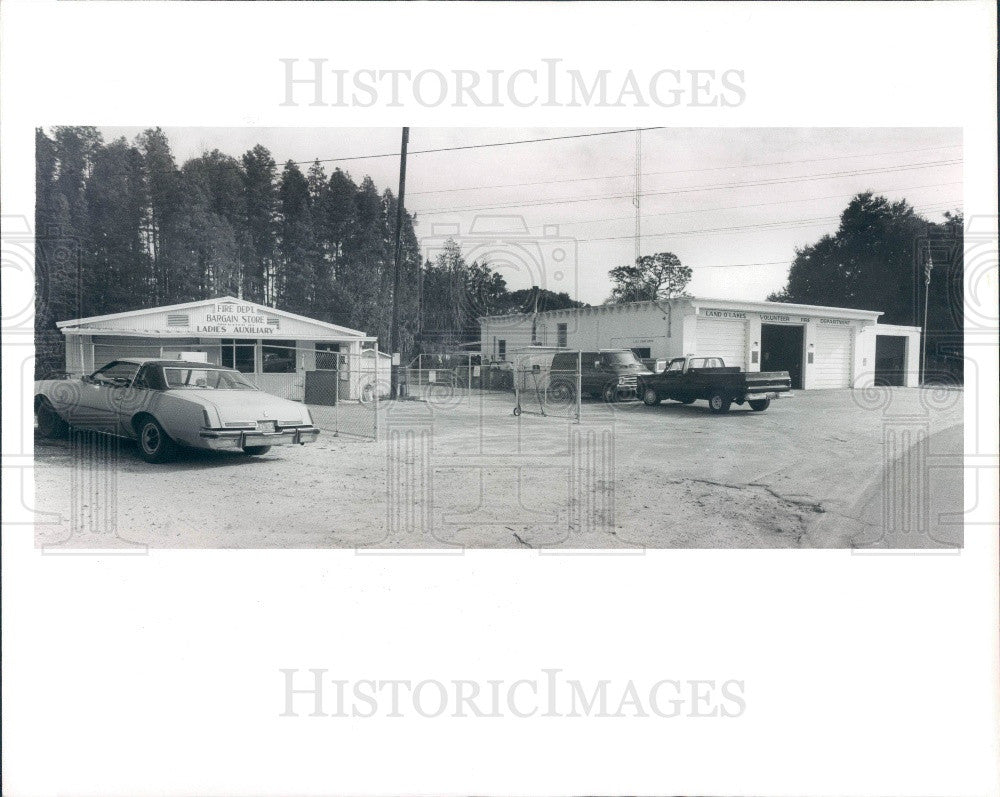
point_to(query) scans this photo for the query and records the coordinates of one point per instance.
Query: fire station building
(820, 347)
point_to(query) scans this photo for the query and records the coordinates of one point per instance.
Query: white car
(163, 404)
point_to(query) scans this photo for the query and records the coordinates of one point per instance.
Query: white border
(159, 674)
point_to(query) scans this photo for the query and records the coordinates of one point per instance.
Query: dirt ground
(821, 469)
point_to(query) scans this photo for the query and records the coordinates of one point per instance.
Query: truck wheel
(562, 393)
(650, 397)
(719, 403)
(760, 406)
(49, 423)
(154, 444)
(610, 394)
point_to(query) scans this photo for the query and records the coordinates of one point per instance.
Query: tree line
(879, 259)
(122, 226)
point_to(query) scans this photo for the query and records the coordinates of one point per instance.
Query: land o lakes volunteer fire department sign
(230, 318)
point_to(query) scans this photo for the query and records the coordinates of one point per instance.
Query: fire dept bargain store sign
(229, 318)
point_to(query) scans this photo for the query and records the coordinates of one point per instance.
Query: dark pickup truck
(687, 379)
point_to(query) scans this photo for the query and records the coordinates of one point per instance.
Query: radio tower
(637, 200)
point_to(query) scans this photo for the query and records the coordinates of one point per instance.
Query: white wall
(643, 325)
(646, 325)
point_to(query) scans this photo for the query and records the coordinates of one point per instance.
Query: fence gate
(543, 390)
(441, 377)
(344, 391)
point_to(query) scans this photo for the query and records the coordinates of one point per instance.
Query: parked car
(687, 379)
(612, 374)
(164, 404)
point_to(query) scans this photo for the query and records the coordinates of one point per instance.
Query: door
(722, 337)
(834, 357)
(890, 360)
(100, 397)
(782, 349)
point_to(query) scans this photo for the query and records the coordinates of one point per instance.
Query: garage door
(833, 357)
(722, 337)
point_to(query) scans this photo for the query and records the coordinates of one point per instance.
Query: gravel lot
(821, 469)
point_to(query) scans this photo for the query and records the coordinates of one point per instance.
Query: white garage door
(834, 357)
(722, 337)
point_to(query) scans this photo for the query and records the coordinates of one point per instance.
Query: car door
(99, 395)
(127, 401)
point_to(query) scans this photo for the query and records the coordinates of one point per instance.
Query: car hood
(247, 406)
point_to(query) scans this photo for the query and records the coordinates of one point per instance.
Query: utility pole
(394, 328)
(923, 333)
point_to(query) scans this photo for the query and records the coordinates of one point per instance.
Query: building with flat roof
(820, 347)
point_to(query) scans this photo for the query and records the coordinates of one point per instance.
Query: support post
(394, 328)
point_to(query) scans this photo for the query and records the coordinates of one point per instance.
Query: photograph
(448, 338)
(516, 399)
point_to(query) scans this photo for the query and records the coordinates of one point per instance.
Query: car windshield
(620, 358)
(205, 379)
(676, 365)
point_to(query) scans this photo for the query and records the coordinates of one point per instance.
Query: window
(326, 356)
(142, 379)
(115, 371)
(205, 379)
(561, 335)
(278, 357)
(642, 353)
(502, 350)
(238, 355)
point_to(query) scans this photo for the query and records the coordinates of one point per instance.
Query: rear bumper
(233, 439)
(766, 394)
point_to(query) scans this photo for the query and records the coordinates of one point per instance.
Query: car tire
(719, 402)
(562, 393)
(256, 451)
(155, 444)
(50, 424)
(650, 397)
(760, 406)
(610, 394)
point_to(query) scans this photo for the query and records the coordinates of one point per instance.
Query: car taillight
(204, 415)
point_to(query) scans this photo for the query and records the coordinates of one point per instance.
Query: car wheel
(154, 444)
(760, 406)
(719, 402)
(650, 397)
(610, 394)
(49, 423)
(562, 393)
(256, 451)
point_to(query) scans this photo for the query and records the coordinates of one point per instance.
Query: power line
(788, 223)
(681, 171)
(477, 146)
(756, 204)
(693, 189)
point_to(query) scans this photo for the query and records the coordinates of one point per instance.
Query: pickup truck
(687, 379)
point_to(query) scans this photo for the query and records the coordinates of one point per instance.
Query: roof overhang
(703, 302)
(93, 325)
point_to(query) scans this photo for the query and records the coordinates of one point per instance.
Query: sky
(731, 203)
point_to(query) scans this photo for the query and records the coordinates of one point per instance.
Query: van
(611, 374)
